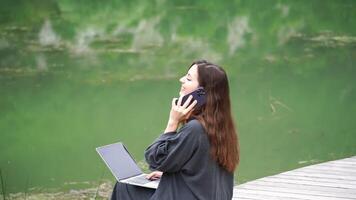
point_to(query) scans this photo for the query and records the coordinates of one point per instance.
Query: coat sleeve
(171, 151)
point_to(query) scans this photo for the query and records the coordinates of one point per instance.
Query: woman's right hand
(154, 175)
(178, 112)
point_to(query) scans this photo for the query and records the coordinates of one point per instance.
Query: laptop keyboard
(141, 179)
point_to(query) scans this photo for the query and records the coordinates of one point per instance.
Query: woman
(198, 160)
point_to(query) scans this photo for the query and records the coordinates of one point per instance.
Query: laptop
(123, 166)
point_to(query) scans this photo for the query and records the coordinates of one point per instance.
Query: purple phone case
(198, 94)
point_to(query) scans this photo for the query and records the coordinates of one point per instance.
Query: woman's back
(189, 170)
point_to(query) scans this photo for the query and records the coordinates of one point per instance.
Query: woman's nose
(181, 79)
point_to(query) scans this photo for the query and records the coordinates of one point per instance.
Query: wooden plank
(332, 168)
(285, 196)
(337, 165)
(240, 194)
(314, 182)
(341, 165)
(299, 191)
(301, 187)
(346, 163)
(244, 198)
(330, 171)
(333, 180)
(321, 175)
(351, 159)
(316, 179)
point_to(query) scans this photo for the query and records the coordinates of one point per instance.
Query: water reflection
(77, 75)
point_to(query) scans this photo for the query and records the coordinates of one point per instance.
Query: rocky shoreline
(102, 191)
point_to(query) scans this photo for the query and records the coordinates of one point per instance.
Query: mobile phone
(198, 94)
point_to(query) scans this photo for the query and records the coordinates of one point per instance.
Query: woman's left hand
(154, 175)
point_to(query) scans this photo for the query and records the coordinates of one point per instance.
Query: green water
(75, 75)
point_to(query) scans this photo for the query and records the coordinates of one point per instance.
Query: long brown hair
(216, 115)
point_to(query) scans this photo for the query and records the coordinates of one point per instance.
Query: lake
(75, 75)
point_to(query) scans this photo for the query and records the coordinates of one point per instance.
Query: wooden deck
(325, 181)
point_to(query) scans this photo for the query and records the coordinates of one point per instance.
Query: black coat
(189, 172)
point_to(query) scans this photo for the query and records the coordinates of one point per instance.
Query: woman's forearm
(171, 126)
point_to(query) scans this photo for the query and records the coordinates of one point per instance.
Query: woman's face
(189, 81)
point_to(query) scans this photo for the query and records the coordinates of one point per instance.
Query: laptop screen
(118, 159)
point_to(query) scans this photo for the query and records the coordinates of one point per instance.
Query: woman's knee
(123, 191)
(119, 188)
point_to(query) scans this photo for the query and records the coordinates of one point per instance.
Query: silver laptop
(123, 166)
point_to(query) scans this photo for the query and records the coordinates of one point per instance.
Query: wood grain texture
(331, 180)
